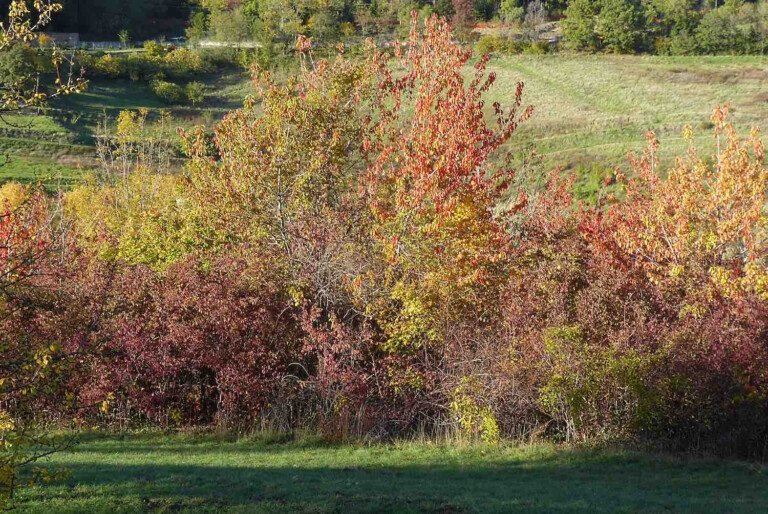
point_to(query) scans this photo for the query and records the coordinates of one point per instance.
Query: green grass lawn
(156, 473)
(31, 170)
(224, 92)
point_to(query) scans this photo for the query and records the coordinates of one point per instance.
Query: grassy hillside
(590, 110)
(57, 145)
(593, 109)
(133, 473)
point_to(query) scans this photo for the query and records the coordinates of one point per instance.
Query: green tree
(579, 24)
(198, 26)
(17, 72)
(444, 8)
(511, 11)
(324, 25)
(230, 25)
(485, 9)
(124, 36)
(620, 25)
(195, 92)
(718, 31)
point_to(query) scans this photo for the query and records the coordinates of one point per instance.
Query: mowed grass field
(172, 473)
(590, 110)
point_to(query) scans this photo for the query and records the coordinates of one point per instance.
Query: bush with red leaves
(196, 343)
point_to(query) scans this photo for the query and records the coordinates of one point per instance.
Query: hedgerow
(353, 258)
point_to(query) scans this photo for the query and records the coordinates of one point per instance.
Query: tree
(367, 188)
(445, 8)
(485, 9)
(278, 23)
(621, 25)
(579, 25)
(511, 11)
(198, 27)
(617, 25)
(125, 37)
(21, 28)
(24, 243)
(719, 31)
(762, 25)
(324, 26)
(230, 25)
(17, 70)
(680, 224)
(535, 15)
(195, 92)
(433, 191)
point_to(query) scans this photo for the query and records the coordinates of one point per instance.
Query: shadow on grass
(200, 442)
(261, 479)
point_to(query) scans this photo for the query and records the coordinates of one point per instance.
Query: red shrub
(196, 343)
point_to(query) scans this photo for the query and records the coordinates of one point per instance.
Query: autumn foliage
(349, 255)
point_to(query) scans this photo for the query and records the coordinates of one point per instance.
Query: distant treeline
(623, 26)
(103, 19)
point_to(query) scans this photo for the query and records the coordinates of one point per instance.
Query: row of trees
(102, 20)
(660, 26)
(278, 22)
(624, 26)
(667, 27)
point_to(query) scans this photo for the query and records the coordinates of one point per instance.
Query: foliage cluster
(163, 67)
(104, 20)
(156, 61)
(349, 254)
(667, 27)
(621, 26)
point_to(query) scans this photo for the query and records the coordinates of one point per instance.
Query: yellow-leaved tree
(24, 244)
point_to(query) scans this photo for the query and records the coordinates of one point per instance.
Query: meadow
(57, 146)
(590, 111)
(219, 473)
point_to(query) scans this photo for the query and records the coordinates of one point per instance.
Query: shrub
(168, 92)
(195, 92)
(109, 66)
(13, 195)
(153, 48)
(140, 67)
(182, 62)
(537, 48)
(201, 342)
(42, 329)
(641, 319)
(491, 44)
(348, 251)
